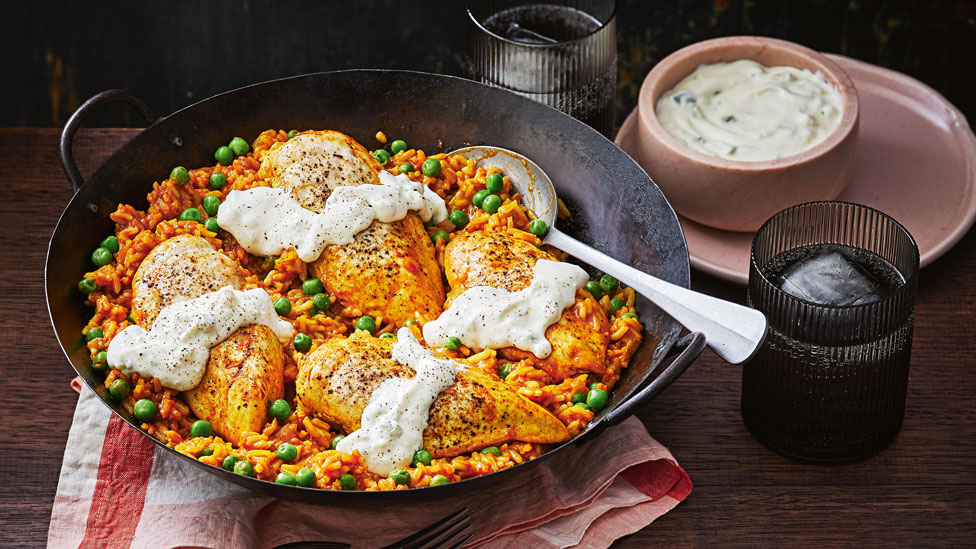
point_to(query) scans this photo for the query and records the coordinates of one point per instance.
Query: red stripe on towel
(120, 487)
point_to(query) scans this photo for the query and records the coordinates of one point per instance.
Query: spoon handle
(733, 331)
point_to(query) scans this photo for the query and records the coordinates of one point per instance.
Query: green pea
(285, 477)
(458, 218)
(406, 167)
(452, 344)
(287, 451)
(381, 156)
(244, 468)
(440, 235)
(312, 311)
(479, 198)
(336, 439)
(398, 146)
(224, 155)
(312, 286)
(493, 450)
(594, 290)
(366, 323)
(504, 370)
(431, 167)
(302, 343)
(208, 451)
(348, 482)
(491, 203)
(180, 175)
(578, 397)
(320, 300)
(211, 224)
(400, 477)
(144, 409)
(190, 214)
(101, 257)
(292, 133)
(211, 204)
(229, 462)
(539, 227)
(87, 285)
(630, 315)
(305, 477)
(239, 146)
(387, 335)
(217, 180)
(119, 389)
(616, 304)
(94, 333)
(421, 456)
(438, 480)
(101, 357)
(201, 428)
(111, 244)
(582, 405)
(282, 306)
(595, 385)
(130, 319)
(609, 284)
(494, 183)
(597, 399)
(280, 410)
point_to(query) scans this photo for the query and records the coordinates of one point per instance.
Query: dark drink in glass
(837, 282)
(562, 53)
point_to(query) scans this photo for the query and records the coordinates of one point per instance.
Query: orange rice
(139, 232)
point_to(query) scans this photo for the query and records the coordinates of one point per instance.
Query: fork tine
(435, 540)
(461, 543)
(434, 530)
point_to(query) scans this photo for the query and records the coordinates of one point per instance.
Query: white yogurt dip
(745, 111)
(177, 347)
(491, 318)
(395, 417)
(267, 221)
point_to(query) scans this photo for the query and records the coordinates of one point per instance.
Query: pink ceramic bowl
(737, 195)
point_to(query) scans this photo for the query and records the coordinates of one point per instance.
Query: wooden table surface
(921, 490)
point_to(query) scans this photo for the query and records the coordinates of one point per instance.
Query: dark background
(57, 53)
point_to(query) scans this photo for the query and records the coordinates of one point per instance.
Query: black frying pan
(615, 205)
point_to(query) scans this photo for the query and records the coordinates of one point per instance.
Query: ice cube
(829, 277)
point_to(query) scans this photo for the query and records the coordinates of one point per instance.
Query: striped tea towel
(118, 489)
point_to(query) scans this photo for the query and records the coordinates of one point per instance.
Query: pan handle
(79, 116)
(688, 349)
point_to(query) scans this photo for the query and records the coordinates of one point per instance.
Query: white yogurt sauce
(267, 221)
(395, 417)
(177, 347)
(491, 318)
(746, 111)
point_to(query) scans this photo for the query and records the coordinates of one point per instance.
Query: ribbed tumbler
(562, 53)
(837, 282)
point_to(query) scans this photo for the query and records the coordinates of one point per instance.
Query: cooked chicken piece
(336, 381)
(312, 164)
(389, 271)
(244, 374)
(181, 268)
(499, 260)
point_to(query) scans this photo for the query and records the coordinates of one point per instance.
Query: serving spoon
(733, 331)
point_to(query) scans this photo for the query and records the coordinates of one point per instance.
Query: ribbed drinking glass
(837, 282)
(560, 53)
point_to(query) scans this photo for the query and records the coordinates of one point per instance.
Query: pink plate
(916, 161)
